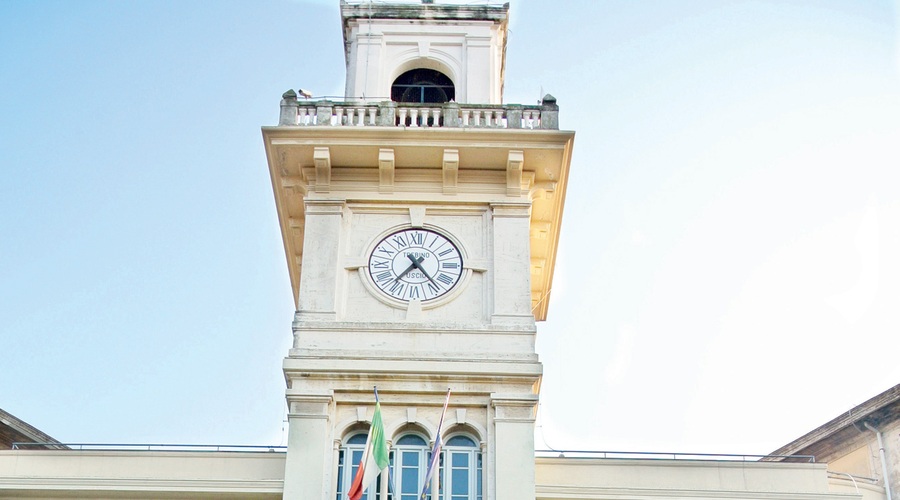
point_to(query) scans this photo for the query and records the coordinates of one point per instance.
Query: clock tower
(420, 219)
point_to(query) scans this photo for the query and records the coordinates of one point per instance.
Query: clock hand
(408, 269)
(418, 264)
(415, 264)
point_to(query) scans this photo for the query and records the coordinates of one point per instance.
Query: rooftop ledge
(325, 113)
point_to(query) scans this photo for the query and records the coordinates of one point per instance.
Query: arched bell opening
(422, 86)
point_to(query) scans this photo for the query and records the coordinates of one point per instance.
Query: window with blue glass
(461, 471)
(410, 455)
(349, 457)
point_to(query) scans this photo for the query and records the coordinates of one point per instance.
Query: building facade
(420, 233)
(420, 218)
(860, 446)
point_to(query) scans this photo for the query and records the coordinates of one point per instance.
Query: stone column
(387, 114)
(549, 113)
(321, 248)
(514, 445)
(513, 116)
(289, 108)
(324, 112)
(511, 267)
(450, 113)
(307, 466)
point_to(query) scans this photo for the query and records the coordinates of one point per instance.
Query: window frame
(345, 474)
(474, 468)
(398, 452)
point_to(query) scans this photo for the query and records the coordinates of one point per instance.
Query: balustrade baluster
(414, 117)
(465, 117)
(436, 115)
(403, 113)
(372, 112)
(339, 114)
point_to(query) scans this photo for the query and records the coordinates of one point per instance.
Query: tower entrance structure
(420, 220)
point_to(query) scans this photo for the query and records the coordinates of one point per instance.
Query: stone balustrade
(326, 113)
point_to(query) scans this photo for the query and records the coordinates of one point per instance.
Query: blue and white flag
(435, 452)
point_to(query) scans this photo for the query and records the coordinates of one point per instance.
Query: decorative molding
(451, 170)
(385, 170)
(315, 406)
(476, 265)
(416, 216)
(514, 210)
(514, 163)
(514, 408)
(537, 266)
(543, 190)
(322, 160)
(324, 207)
(540, 230)
(414, 311)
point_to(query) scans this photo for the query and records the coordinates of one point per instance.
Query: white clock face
(415, 264)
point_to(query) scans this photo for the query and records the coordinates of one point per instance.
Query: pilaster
(321, 249)
(513, 457)
(511, 264)
(307, 466)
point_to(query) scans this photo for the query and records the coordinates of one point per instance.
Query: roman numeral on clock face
(396, 288)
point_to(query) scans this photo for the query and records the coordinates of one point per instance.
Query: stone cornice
(477, 171)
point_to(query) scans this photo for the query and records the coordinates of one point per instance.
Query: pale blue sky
(727, 277)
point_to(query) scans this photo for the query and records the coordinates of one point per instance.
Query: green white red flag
(374, 458)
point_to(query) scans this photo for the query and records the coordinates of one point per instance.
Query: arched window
(423, 85)
(348, 463)
(461, 470)
(410, 462)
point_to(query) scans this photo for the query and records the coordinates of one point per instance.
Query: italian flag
(374, 458)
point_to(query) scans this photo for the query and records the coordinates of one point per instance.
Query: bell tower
(467, 44)
(420, 219)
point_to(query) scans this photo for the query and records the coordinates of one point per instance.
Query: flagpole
(435, 457)
(375, 457)
(390, 476)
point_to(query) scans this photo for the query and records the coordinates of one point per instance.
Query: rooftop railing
(150, 447)
(326, 113)
(644, 455)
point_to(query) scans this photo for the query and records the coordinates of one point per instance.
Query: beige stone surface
(140, 475)
(564, 478)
